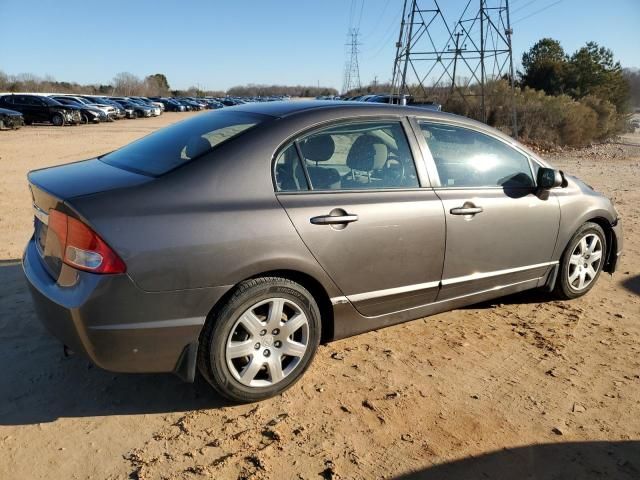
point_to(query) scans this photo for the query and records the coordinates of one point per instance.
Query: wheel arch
(314, 286)
(610, 238)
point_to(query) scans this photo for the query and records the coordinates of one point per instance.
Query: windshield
(51, 102)
(178, 144)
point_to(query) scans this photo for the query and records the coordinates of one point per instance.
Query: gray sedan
(235, 242)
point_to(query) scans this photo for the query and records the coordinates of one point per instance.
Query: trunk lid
(55, 188)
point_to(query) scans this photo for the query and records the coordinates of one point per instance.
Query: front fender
(580, 204)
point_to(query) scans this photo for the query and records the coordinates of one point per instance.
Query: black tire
(57, 120)
(212, 362)
(563, 288)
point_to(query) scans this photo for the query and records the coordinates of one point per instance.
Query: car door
(366, 212)
(38, 110)
(501, 230)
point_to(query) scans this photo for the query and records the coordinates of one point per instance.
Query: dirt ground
(520, 388)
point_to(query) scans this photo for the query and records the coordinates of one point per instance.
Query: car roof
(340, 107)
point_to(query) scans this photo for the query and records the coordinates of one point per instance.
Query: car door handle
(466, 210)
(334, 219)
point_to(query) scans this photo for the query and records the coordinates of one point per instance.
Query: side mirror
(549, 178)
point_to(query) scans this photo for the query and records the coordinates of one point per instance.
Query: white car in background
(108, 109)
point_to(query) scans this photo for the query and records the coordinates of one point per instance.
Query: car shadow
(38, 384)
(576, 460)
(632, 284)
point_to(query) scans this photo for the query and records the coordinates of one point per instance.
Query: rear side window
(466, 158)
(290, 176)
(178, 144)
(359, 156)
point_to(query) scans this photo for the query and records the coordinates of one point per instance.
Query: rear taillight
(82, 247)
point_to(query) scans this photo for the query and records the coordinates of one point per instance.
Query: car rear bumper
(118, 326)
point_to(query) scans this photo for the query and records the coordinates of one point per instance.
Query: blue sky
(218, 44)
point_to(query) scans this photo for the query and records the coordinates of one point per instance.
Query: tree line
(156, 85)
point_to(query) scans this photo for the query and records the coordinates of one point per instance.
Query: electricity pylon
(352, 69)
(436, 59)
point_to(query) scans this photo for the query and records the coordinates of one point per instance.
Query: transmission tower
(351, 69)
(437, 59)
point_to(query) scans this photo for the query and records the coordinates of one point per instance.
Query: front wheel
(581, 262)
(261, 340)
(57, 120)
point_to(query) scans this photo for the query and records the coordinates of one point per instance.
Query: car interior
(349, 157)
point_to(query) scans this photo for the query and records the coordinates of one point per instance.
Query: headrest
(196, 146)
(367, 153)
(319, 148)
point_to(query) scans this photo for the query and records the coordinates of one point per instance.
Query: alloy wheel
(584, 262)
(267, 342)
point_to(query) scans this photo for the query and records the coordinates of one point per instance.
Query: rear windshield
(178, 144)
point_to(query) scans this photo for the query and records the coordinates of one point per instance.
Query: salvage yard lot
(522, 386)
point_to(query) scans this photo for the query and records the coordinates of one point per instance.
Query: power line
(374, 29)
(379, 47)
(536, 12)
(351, 9)
(360, 18)
(522, 7)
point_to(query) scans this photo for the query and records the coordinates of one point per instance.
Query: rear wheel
(581, 262)
(261, 340)
(57, 120)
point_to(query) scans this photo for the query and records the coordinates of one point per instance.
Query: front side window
(180, 143)
(466, 158)
(354, 156)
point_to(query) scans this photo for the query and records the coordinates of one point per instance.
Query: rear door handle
(466, 210)
(334, 219)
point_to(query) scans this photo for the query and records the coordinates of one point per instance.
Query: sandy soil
(520, 388)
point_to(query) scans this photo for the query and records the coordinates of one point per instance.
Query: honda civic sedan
(236, 241)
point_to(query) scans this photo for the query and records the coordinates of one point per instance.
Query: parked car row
(385, 98)
(17, 109)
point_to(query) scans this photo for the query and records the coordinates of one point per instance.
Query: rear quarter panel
(216, 221)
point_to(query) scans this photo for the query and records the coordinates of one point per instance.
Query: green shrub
(608, 119)
(543, 120)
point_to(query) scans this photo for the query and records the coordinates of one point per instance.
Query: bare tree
(127, 84)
